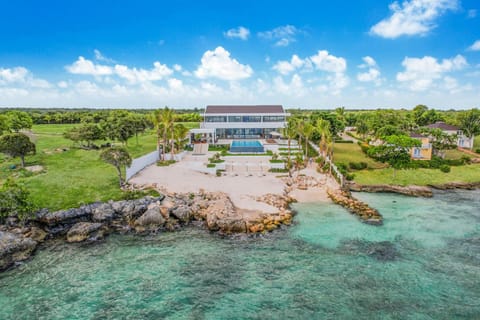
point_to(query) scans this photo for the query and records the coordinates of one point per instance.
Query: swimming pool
(246, 146)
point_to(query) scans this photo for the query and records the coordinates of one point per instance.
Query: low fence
(337, 173)
(141, 163)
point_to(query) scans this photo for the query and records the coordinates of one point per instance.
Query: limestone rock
(151, 220)
(14, 248)
(82, 231)
(182, 213)
(104, 212)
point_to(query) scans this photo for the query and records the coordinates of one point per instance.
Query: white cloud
(475, 46)
(87, 67)
(134, 75)
(421, 73)
(62, 84)
(219, 64)
(177, 67)
(21, 76)
(283, 35)
(327, 62)
(373, 72)
(239, 33)
(17, 74)
(294, 88)
(100, 57)
(286, 67)
(414, 17)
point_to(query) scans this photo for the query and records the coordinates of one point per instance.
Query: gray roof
(443, 126)
(245, 109)
(416, 135)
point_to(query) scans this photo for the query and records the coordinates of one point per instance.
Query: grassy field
(72, 176)
(421, 177)
(351, 152)
(476, 143)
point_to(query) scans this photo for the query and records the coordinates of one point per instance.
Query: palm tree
(323, 128)
(163, 121)
(180, 132)
(289, 132)
(308, 131)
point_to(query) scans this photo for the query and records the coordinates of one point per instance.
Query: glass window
(215, 119)
(273, 118)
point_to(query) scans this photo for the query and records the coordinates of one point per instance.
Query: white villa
(241, 122)
(462, 140)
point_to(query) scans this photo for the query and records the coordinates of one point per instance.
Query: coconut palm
(180, 132)
(163, 120)
(308, 131)
(289, 132)
(323, 128)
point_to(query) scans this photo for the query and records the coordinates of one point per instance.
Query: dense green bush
(477, 151)
(357, 165)
(277, 170)
(445, 168)
(165, 163)
(15, 200)
(211, 165)
(343, 141)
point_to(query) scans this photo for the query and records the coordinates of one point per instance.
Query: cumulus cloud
(238, 33)
(219, 64)
(283, 36)
(475, 46)
(100, 57)
(421, 73)
(286, 67)
(414, 17)
(327, 62)
(133, 75)
(372, 74)
(87, 67)
(21, 76)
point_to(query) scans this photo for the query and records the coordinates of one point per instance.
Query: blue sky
(308, 54)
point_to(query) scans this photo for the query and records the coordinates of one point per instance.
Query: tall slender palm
(163, 121)
(289, 132)
(308, 131)
(180, 132)
(323, 128)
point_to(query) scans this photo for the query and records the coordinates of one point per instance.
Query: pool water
(246, 146)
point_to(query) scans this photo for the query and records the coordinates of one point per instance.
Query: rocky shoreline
(359, 208)
(413, 190)
(90, 223)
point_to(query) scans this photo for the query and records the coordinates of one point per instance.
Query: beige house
(462, 140)
(423, 152)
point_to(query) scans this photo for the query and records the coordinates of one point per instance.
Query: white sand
(182, 177)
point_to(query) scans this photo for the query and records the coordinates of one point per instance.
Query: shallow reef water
(423, 263)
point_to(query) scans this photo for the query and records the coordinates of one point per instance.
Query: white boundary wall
(139, 164)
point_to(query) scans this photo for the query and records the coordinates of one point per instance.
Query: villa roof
(417, 135)
(245, 109)
(443, 126)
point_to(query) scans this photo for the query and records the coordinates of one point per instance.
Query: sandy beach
(184, 176)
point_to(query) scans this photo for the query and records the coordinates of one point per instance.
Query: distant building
(423, 152)
(243, 122)
(462, 140)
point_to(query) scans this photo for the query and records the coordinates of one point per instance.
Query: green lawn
(72, 176)
(476, 143)
(421, 177)
(351, 152)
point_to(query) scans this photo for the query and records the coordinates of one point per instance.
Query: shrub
(357, 165)
(343, 141)
(15, 200)
(445, 168)
(211, 165)
(349, 176)
(277, 170)
(477, 150)
(165, 163)
(219, 172)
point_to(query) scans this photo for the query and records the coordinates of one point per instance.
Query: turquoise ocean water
(424, 263)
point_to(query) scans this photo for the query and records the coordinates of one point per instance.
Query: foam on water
(424, 263)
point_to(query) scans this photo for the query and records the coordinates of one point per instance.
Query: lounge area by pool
(246, 146)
